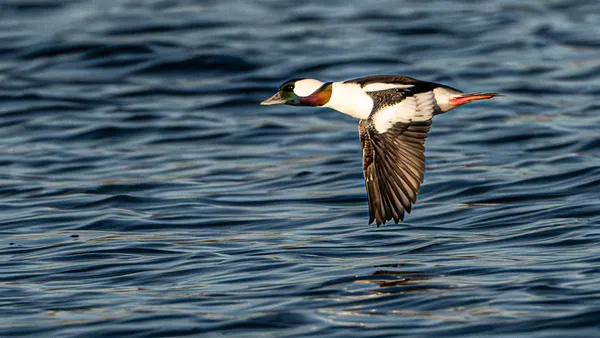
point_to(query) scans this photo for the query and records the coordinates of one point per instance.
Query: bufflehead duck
(395, 115)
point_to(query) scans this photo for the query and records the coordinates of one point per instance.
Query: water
(145, 193)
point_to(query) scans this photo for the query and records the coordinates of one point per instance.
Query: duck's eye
(288, 88)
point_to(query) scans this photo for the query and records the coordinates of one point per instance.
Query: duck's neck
(320, 96)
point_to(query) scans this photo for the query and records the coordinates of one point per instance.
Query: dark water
(145, 193)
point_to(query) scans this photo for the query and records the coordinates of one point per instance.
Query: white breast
(350, 99)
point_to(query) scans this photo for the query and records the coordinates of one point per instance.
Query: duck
(395, 115)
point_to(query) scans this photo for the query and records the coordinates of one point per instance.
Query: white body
(354, 100)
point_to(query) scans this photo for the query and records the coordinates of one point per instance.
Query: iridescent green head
(301, 92)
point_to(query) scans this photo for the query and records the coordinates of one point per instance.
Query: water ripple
(144, 192)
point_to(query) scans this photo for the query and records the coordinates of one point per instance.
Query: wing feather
(403, 183)
(393, 170)
(394, 151)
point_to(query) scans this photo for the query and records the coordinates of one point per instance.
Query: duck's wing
(393, 142)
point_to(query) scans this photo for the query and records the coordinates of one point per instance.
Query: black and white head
(301, 92)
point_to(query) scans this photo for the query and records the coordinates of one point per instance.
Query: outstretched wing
(394, 166)
(393, 142)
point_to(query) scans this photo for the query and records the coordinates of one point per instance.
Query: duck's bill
(275, 99)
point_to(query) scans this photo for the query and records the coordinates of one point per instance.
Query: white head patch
(305, 87)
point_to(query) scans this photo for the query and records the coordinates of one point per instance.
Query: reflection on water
(398, 281)
(144, 192)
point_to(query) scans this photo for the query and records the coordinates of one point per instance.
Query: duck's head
(301, 92)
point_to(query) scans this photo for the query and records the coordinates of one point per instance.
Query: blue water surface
(145, 193)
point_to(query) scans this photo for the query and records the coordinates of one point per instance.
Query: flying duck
(395, 115)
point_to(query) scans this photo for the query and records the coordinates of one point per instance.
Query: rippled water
(144, 192)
